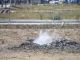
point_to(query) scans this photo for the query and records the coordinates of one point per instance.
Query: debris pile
(62, 45)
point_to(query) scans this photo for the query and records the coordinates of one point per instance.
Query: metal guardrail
(37, 22)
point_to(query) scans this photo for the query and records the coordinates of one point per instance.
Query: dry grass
(45, 12)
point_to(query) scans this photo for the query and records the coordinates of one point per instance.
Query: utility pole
(4, 3)
(9, 9)
(10, 3)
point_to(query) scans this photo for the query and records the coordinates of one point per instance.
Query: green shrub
(57, 17)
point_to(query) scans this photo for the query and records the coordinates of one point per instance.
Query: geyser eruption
(46, 37)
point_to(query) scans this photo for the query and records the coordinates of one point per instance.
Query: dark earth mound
(62, 45)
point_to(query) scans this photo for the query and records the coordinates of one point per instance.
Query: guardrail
(38, 22)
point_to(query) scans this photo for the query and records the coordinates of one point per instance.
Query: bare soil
(38, 56)
(14, 37)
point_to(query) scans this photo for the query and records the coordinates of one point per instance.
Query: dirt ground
(38, 56)
(12, 37)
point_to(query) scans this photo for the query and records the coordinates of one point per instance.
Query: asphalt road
(37, 22)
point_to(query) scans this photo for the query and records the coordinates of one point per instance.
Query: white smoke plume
(45, 37)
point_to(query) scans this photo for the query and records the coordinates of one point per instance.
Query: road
(37, 22)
